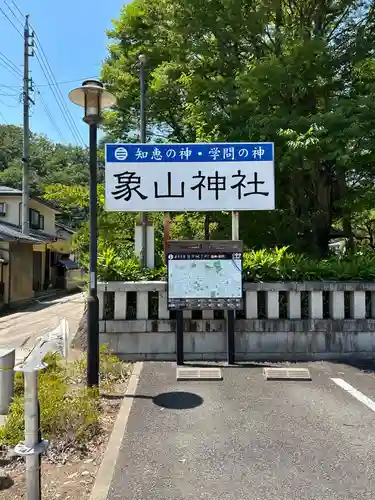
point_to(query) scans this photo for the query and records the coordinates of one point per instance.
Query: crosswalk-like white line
(355, 393)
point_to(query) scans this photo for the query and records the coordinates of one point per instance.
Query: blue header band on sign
(180, 153)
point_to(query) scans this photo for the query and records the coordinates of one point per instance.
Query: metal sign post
(198, 177)
(204, 275)
(34, 445)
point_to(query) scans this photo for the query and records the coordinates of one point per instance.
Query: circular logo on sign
(170, 257)
(121, 154)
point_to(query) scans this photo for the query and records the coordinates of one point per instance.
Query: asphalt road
(21, 328)
(247, 439)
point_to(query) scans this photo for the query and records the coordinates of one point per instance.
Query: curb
(107, 467)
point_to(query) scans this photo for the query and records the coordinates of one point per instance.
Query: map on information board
(204, 280)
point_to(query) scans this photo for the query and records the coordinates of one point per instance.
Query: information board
(204, 280)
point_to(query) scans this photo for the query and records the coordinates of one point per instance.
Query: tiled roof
(8, 232)
(9, 190)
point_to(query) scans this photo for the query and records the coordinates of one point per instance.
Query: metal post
(230, 337)
(231, 313)
(92, 301)
(142, 85)
(32, 435)
(180, 337)
(26, 131)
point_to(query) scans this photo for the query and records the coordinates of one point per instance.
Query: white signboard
(205, 279)
(189, 177)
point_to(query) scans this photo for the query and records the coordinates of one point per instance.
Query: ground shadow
(6, 482)
(178, 400)
(365, 365)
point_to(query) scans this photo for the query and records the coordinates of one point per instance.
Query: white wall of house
(14, 211)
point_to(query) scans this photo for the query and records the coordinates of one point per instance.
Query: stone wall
(291, 321)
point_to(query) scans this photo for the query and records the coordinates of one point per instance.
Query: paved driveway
(23, 327)
(247, 439)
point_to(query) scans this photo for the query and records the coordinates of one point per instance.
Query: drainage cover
(286, 373)
(192, 373)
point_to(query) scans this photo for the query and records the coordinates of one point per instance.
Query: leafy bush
(278, 264)
(69, 412)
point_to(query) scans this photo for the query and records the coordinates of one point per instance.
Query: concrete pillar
(120, 305)
(336, 305)
(187, 313)
(358, 305)
(150, 244)
(142, 305)
(294, 305)
(101, 305)
(251, 305)
(316, 305)
(208, 314)
(7, 362)
(163, 312)
(272, 305)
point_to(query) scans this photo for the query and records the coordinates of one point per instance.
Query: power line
(50, 78)
(11, 22)
(7, 4)
(12, 12)
(67, 81)
(51, 117)
(3, 117)
(9, 105)
(9, 68)
(59, 101)
(10, 63)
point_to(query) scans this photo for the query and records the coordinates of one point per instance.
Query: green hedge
(277, 264)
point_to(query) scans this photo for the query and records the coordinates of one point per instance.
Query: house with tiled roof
(29, 263)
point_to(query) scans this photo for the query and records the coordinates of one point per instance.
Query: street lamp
(93, 98)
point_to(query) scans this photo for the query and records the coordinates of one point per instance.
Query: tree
(300, 73)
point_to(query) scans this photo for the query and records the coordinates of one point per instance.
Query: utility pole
(27, 87)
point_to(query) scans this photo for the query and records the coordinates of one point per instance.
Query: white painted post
(251, 305)
(142, 305)
(235, 226)
(7, 361)
(294, 305)
(208, 314)
(315, 305)
(163, 312)
(336, 305)
(272, 305)
(150, 245)
(358, 305)
(101, 305)
(120, 305)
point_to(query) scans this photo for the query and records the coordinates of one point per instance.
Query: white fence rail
(289, 300)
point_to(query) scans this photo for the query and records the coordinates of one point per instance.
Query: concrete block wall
(294, 321)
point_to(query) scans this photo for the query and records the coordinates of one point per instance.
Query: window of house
(3, 209)
(41, 221)
(34, 217)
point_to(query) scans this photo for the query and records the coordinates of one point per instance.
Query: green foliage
(282, 265)
(69, 412)
(297, 73)
(279, 264)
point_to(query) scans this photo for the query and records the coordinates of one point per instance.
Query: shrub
(278, 264)
(69, 413)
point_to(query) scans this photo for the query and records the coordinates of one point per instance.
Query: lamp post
(93, 98)
(143, 138)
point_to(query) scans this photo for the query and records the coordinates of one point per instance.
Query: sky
(72, 35)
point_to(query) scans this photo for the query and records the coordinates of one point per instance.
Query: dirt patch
(68, 474)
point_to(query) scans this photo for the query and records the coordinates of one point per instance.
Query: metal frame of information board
(204, 247)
